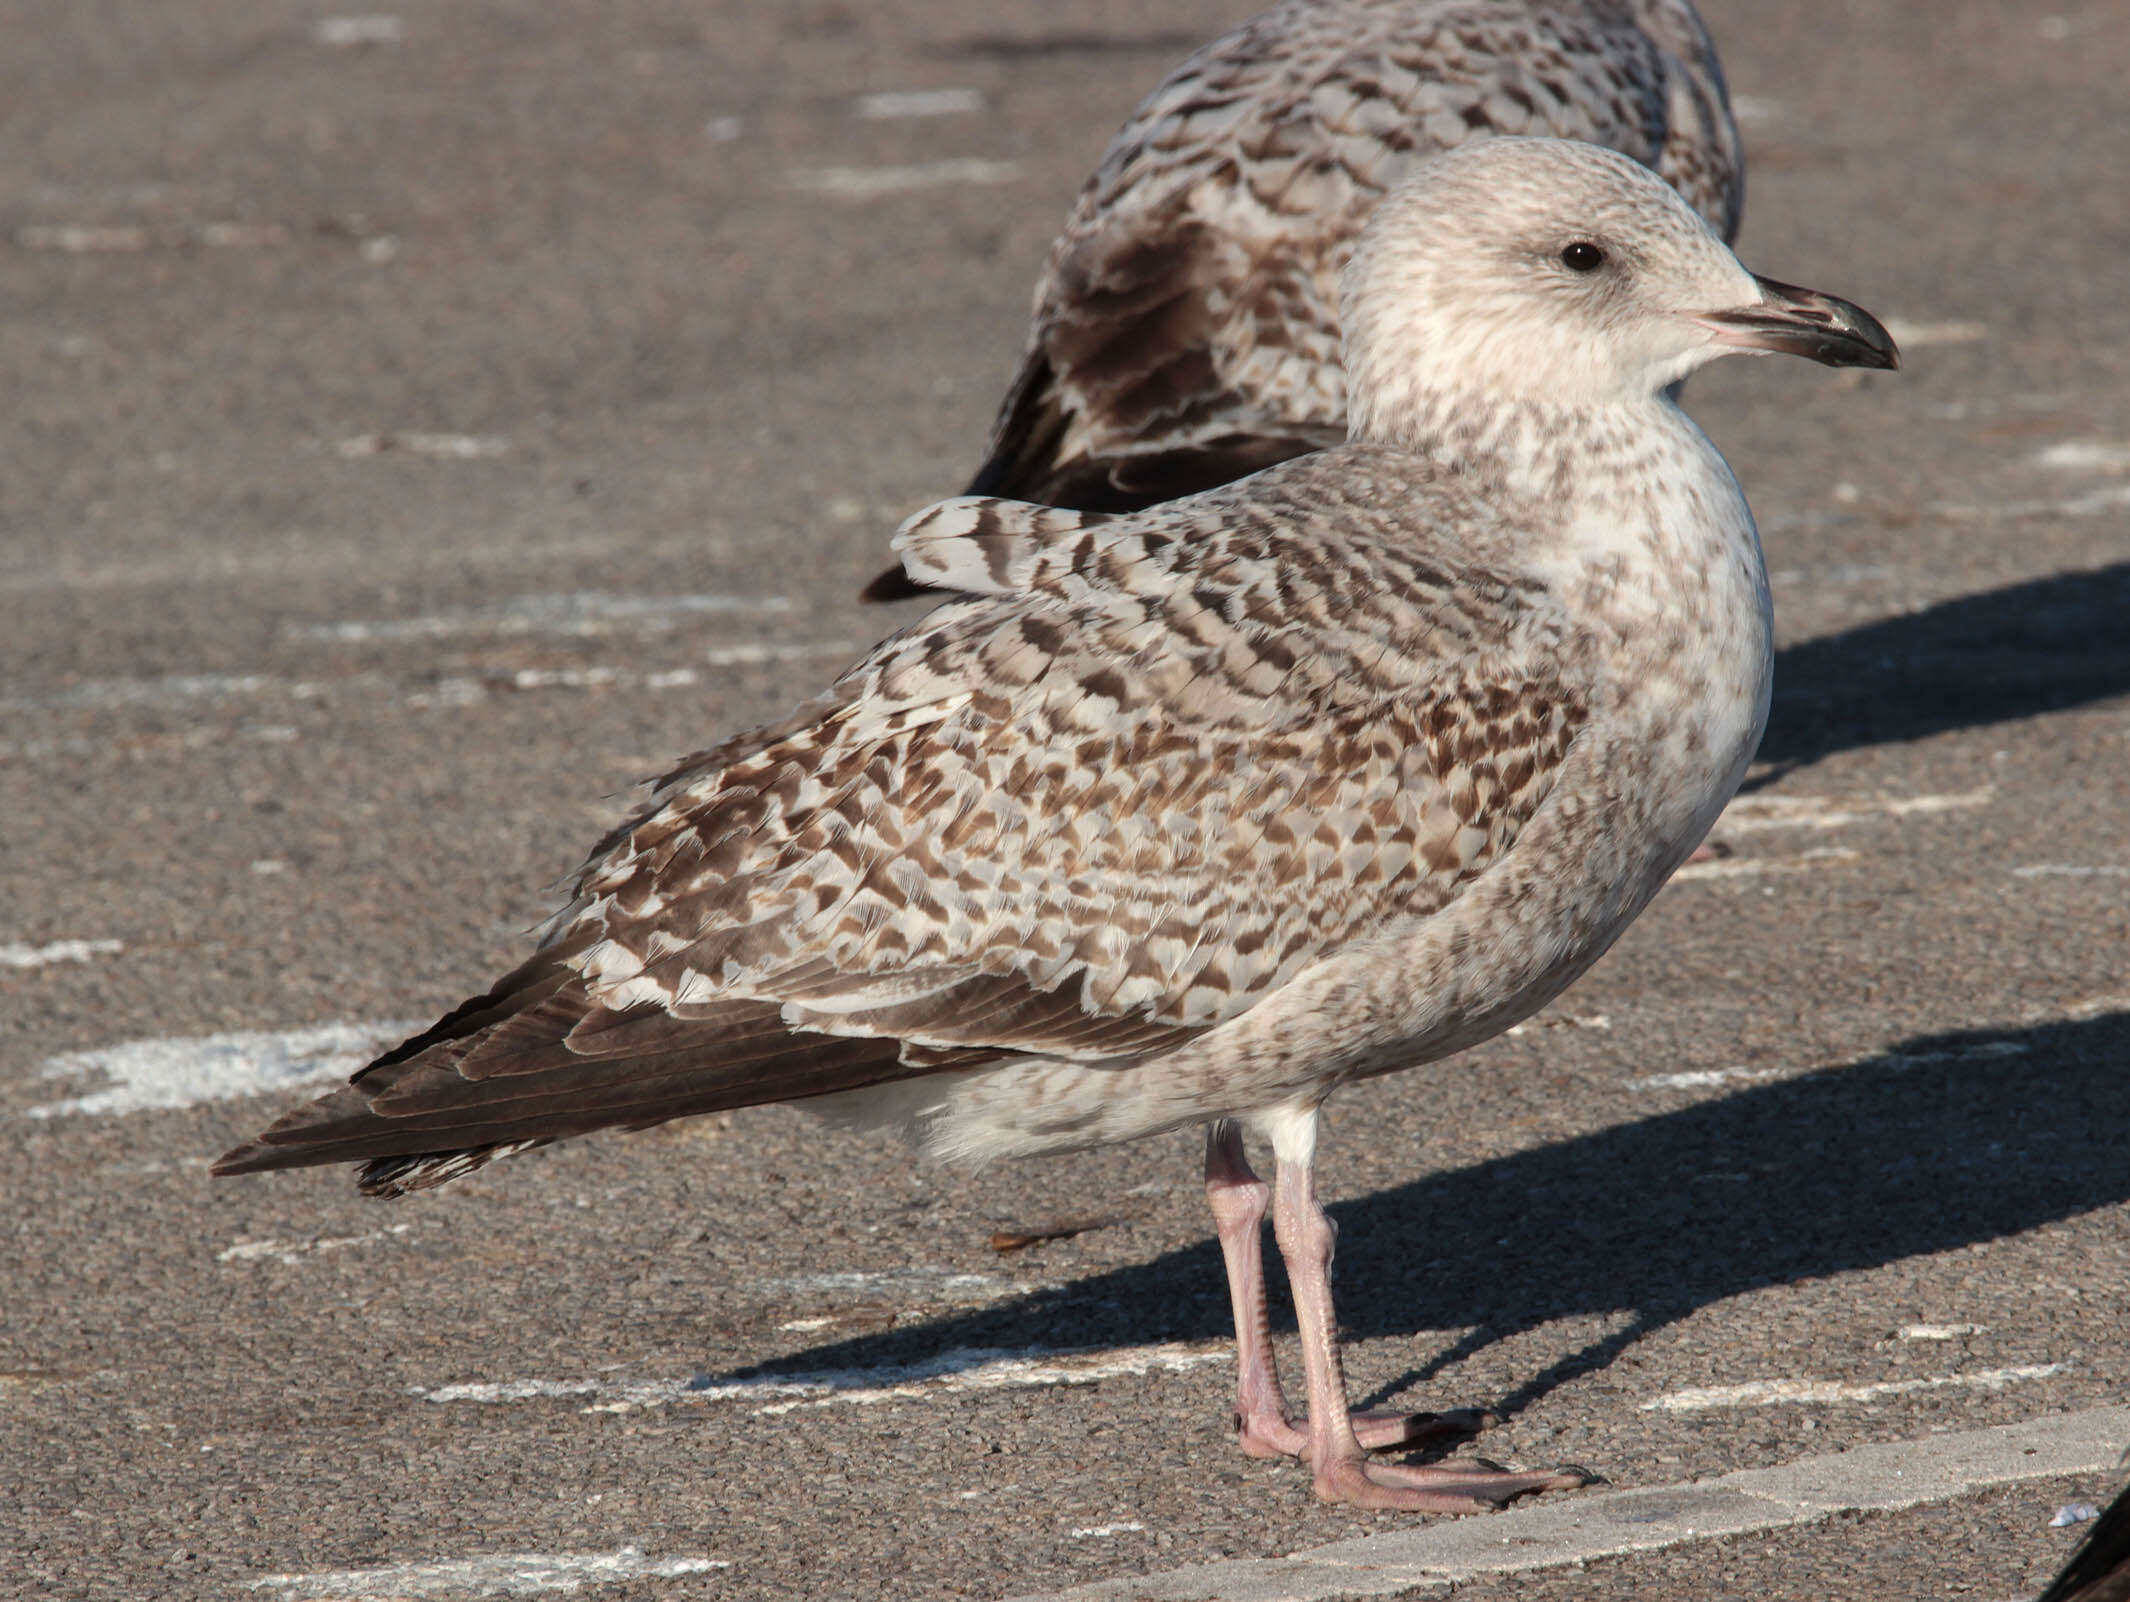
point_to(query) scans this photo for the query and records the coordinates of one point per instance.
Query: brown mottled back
(1186, 327)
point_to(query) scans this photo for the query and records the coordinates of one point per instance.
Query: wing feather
(1188, 754)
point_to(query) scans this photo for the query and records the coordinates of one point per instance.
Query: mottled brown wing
(1153, 769)
(1191, 753)
(1186, 329)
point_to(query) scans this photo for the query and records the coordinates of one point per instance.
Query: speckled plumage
(1185, 329)
(1192, 815)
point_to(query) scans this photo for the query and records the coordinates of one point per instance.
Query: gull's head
(1565, 274)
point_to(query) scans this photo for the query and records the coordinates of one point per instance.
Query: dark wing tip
(249, 1158)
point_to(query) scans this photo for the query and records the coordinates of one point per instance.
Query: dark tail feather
(534, 1060)
(427, 1109)
(1025, 437)
(396, 1176)
(893, 584)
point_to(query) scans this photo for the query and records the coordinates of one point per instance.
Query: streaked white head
(1563, 274)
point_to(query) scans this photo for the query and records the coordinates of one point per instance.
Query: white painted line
(1981, 1048)
(949, 1374)
(1763, 867)
(532, 1390)
(751, 655)
(1912, 336)
(919, 1284)
(1710, 1078)
(865, 183)
(1703, 1079)
(1939, 1332)
(167, 690)
(455, 690)
(1100, 1531)
(576, 678)
(954, 1373)
(896, 103)
(1768, 1393)
(499, 1574)
(158, 1075)
(240, 235)
(294, 1251)
(2071, 870)
(443, 447)
(1595, 1020)
(58, 951)
(78, 239)
(1753, 813)
(1566, 1529)
(1835, 575)
(2056, 29)
(2093, 504)
(2086, 456)
(343, 32)
(459, 690)
(580, 614)
(2095, 1006)
(1967, 1053)
(1980, 406)
(155, 1165)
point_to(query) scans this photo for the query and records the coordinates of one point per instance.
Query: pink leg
(1239, 1199)
(1335, 1453)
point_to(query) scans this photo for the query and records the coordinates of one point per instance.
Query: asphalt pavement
(420, 425)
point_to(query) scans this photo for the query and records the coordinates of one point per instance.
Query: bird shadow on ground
(2043, 646)
(1946, 1141)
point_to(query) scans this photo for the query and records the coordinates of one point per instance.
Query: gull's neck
(1625, 505)
(1540, 454)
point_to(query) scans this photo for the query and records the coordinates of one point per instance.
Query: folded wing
(1164, 765)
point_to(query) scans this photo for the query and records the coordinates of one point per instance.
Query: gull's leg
(1263, 1428)
(1335, 1452)
(1238, 1199)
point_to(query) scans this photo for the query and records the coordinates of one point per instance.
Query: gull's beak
(1803, 322)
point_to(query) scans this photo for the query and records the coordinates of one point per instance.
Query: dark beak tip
(1820, 327)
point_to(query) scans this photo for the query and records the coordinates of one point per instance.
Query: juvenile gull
(1192, 815)
(1186, 328)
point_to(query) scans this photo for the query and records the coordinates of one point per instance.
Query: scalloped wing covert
(1192, 755)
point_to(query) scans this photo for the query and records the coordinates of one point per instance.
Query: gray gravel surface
(1985, 1546)
(409, 444)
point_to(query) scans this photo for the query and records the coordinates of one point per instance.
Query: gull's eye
(1582, 257)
